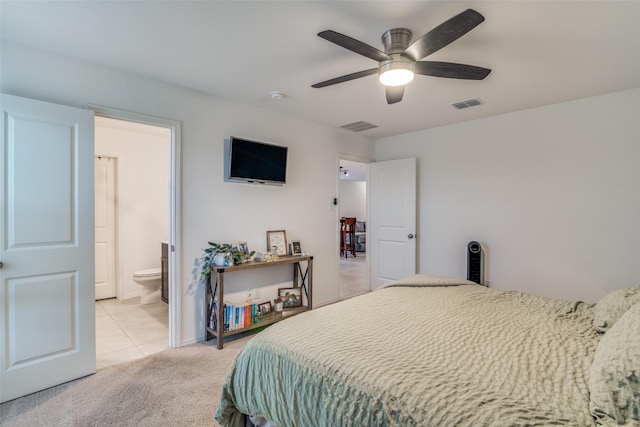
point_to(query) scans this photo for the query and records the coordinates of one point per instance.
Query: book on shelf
(235, 316)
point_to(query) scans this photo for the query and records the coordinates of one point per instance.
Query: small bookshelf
(215, 323)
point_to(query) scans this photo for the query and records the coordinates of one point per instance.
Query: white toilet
(150, 280)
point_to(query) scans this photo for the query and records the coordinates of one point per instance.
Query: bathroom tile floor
(127, 330)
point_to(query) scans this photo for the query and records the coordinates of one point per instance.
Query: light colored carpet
(176, 387)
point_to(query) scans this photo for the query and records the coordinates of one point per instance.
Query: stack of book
(235, 316)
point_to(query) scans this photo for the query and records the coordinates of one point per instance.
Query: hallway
(353, 275)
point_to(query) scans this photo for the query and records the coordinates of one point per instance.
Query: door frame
(367, 161)
(175, 302)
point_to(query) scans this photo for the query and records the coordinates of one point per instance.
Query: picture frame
(265, 307)
(291, 297)
(296, 247)
(277, 240)
(243, 247)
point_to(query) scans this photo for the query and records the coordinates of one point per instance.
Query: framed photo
(277, 241)
(291, 297)
(265, 307)
(296, 247)
(243, 247)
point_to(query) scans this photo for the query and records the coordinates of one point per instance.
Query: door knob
(410, 236)
(1, 265)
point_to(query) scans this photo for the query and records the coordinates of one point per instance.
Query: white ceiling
(541, 52)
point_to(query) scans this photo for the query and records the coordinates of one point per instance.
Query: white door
(47, 326)
(105, 234)
(392, 218)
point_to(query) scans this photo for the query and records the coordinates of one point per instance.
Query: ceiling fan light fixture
(402, 58)
(397, 72)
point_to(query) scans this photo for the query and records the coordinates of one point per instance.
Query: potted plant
(215, 254)
(239, 256)
(221, 255)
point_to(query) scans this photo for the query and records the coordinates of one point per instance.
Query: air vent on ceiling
(359, 126)
(468, 103)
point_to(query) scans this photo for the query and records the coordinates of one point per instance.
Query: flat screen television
(255, 162)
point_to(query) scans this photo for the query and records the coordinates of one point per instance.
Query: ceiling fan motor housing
(396, 40)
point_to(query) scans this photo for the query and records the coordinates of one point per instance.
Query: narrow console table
(302, 278)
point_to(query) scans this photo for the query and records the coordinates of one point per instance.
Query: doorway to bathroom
(133, 226)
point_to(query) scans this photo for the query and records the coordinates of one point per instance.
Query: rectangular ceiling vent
(468, 103)
(359, 126)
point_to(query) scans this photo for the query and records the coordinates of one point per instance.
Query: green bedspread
(419, 355)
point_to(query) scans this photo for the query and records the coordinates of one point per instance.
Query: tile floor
(353, 275)
(126, 330)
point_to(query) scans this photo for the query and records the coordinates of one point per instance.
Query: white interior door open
(392, 218)
(105, 234)
(47, 326)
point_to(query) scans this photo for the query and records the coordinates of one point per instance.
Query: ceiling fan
(400, 61)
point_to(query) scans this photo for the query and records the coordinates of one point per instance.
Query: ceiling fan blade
(451, 70)
(444, 34)
(394, 94)
(354, 45)
(346, 78)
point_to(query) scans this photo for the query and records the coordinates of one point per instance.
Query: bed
(435, 351)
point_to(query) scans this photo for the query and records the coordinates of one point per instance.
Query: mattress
(425, 351)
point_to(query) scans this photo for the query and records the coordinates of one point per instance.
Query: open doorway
(159, 152)
(131, 228)
(352, 196)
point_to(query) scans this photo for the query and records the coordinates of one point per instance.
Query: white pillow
(613, 305)
(614, 378)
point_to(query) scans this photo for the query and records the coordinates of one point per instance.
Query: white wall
(552, 193)
(353, 199)
(212, 209)
(143, 156)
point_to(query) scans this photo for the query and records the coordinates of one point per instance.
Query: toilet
(150, 280)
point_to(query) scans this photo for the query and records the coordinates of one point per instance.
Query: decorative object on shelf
(265, 307)
(223, 259)
(277, 239)
(243, 247)
(296, 248)
(265, 257)
(223, 255)
(291, 297)
(241, 254)
(277, 305)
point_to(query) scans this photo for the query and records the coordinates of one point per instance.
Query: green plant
(238, 256)
(209, 253)
(221, 248)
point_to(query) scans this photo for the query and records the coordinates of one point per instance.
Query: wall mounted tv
(255, 162)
